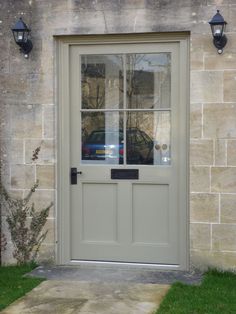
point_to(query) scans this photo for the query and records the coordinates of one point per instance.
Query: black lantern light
(21, 34)
(218, 25)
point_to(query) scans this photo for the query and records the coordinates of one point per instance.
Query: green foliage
(216, 295)
(13, 285)
(25, 222)
(25, 226)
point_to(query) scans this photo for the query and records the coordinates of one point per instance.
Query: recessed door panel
(99, 212)
(151, 214)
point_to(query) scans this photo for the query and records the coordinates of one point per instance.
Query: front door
(126, 137)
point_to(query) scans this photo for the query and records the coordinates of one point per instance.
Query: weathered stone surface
(226, 61)
(200, 236)
(223, 179)
(223, 237)
(85, 297)
(220, 152)
(204, 207)
(202, 260)
(201, 152)
(46, 176)
(22, 176)
(18, 86)
(199, 179)
(26, 121)
(48, 121)
(197, 60)
(219, 121)
(228, 208)
(50, 229)
(12, 150)
(229, 86)
(196, 121)
(47, 254)
(231, 153)
(46, 154)
(206, 86)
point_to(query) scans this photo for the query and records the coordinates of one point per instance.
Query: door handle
(73, 175)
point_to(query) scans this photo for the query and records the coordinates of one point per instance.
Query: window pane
(102, 81)
(148, 138)
(148, 80)
(102, 138)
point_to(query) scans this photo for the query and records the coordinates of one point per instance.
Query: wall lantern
(21, 34)
(218, 25)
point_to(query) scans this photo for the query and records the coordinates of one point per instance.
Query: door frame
(63, 44)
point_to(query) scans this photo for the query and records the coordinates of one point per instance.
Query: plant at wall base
(25, 223)
(3, 241)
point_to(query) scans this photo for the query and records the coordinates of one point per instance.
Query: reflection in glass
(148, 81)
(148, 138)
(102, 137)
(102, 81)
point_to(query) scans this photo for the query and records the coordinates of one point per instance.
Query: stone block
(12, 150)
(228, 208)
(40, 87)
(219, 121)
(16, 153)
(229, 86)
(22, 176)
(220, 152)
(12, 85)
(46, 176)
(231, 155)
(223, 237)
(196, 60)
(46, 254)
(26, 121)
(204, 207)
(199, 179)
(223, 179)
(46, 153)
(4, 60)
(231, 42)
(49, 121)
(49, 227)
(206, 86)
(196, 121)
(202, 43)
(232, 13)
(200, 236)
(202, 260)
(214, 61)
(5, 120)
(201, 152)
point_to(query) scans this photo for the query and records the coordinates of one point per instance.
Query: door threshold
(87, 263)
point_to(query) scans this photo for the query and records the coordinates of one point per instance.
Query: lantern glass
(217, 30)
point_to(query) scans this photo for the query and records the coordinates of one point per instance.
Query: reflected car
(109, 145)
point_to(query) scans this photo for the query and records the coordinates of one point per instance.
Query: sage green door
(126, 133)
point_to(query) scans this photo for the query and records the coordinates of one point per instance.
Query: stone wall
(28, 115)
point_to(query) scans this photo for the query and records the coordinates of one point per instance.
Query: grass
(216, 295)
(13, 285)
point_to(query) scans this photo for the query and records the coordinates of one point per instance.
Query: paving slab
(72, 297)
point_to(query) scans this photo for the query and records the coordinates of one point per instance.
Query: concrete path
(72, 297)
(98, 290)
